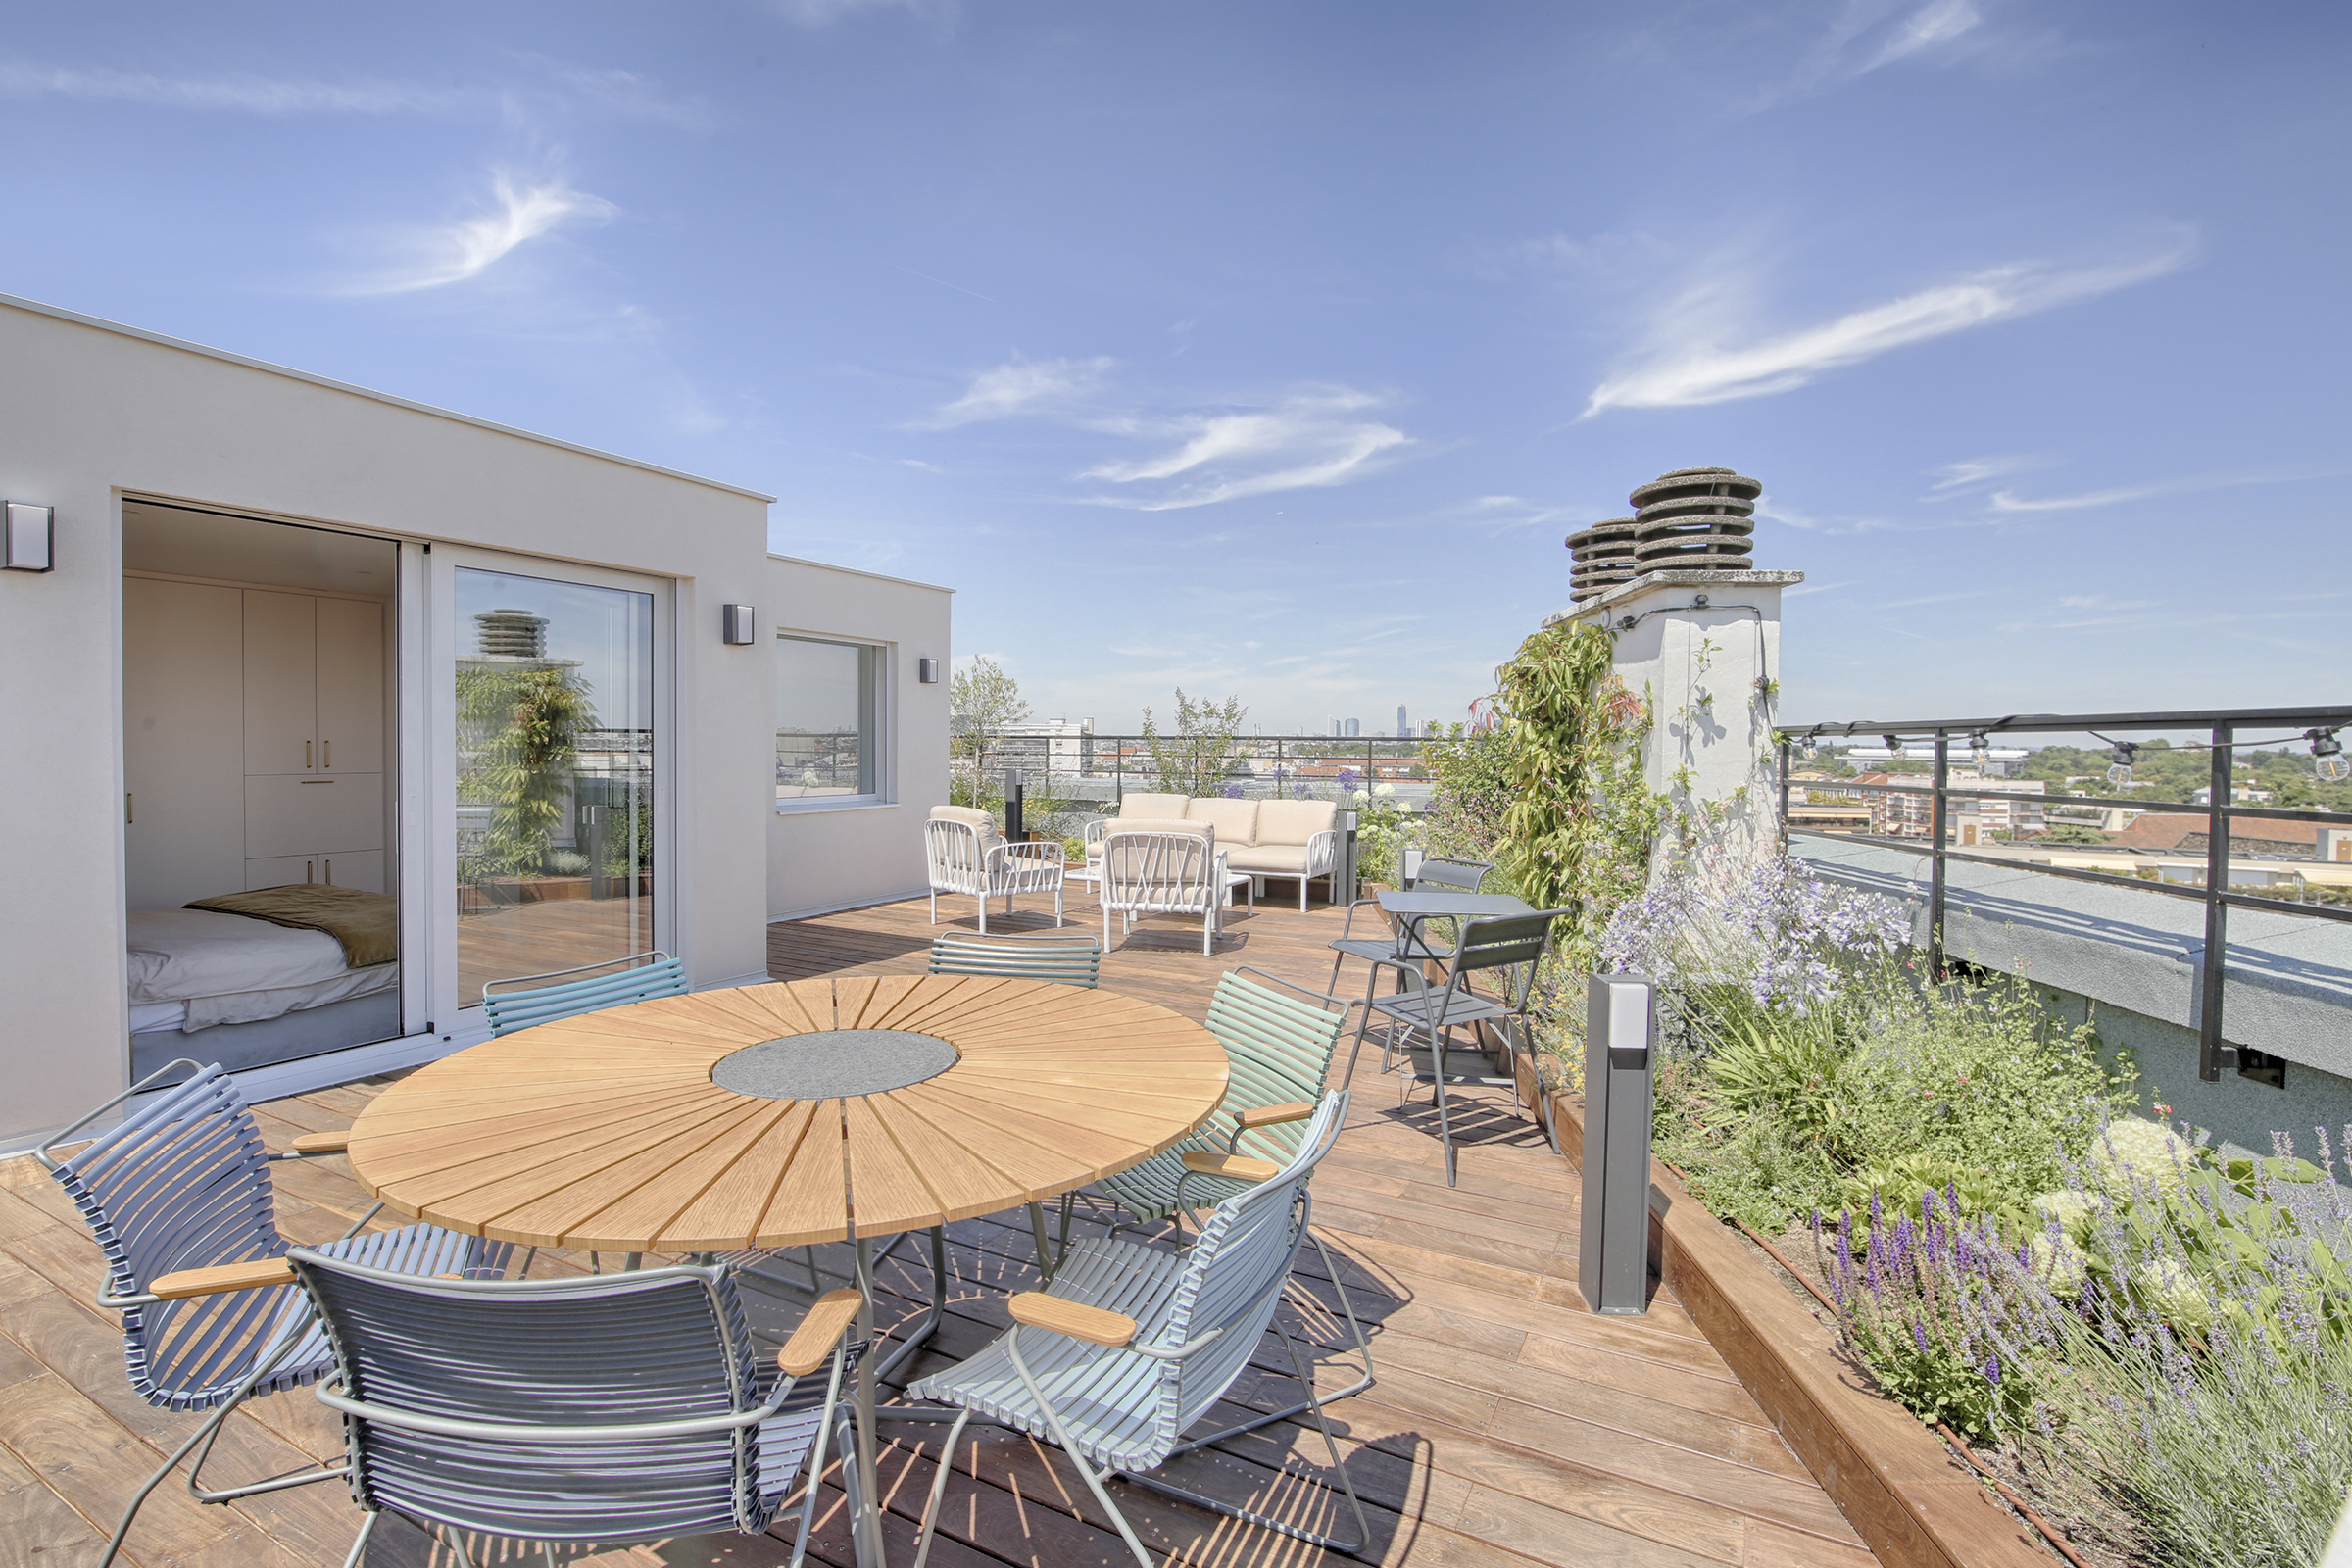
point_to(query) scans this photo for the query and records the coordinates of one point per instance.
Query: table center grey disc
(833, 1065)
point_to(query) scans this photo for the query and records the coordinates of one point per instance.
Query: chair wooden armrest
(1240, 1167)
(321, 1143)
(1269, 1115)
(1038, 1310)
(829, 1318)
(250, 1275)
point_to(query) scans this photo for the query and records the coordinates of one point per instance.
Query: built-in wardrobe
(253, 739)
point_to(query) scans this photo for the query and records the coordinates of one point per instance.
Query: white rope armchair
(966, 853)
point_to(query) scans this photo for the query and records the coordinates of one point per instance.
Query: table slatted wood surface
(606, 1133)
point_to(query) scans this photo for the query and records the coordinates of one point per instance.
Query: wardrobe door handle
(130, 804)
(306, 753)
(327, 748)
(330, 873)
(309, 873)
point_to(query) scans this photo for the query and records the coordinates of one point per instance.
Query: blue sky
(1271, 349)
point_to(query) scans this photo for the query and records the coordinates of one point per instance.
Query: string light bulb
(2329, 759)
(2120, 775)
(1980, 749)
(1812, 746)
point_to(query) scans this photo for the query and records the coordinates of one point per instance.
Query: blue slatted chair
(1072, 960)
(179, 1200)
(1131, 1346)
(470, 1405)
(1278, 1045)
(658, 976)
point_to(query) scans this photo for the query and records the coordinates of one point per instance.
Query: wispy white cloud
(1307, 441)
(1868, 35)
(1020, 388)
(455, 252)
(544, 82)
(1804, 588)
(1689, 362)
(2009, 500)
(1953, 477)
(824, 13)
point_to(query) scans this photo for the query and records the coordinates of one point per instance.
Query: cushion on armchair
(1292, 822)
(1236, 821)
(1163, 808)
(1159, 825)
(1269, 860)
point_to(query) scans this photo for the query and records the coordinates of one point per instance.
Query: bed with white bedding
(193, 969)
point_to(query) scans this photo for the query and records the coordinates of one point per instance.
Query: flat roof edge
(856, 572)
(37, 308)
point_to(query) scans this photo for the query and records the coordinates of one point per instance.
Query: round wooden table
(861, 1107)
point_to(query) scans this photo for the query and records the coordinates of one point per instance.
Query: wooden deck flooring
(1509, 1425)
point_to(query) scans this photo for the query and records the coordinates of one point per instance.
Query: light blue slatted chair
(658, 976)
(610, 1409)
(1279, 1044)
(182, 1185)
(1130, 1347)
(1072, 960)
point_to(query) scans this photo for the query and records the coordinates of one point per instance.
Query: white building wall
(823, 858)
(1711, 674)
(89, 411)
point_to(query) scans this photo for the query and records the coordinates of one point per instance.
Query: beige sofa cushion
(1163, 808)
(1236, 821)
(969, 816)
(1160, 824)
(1269, 860)
(1292, 821)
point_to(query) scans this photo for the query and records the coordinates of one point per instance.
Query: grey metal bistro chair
(1072, 960)
(1511, 942)
(1130, 1347)
(1405, 948)
(656, 974)
(612, 1409)
(178, 1197)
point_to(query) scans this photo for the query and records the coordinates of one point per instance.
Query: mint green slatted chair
(1279, 1040)
(656, 974)
(1072, 960)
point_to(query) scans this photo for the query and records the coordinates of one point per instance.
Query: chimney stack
(1691, 520)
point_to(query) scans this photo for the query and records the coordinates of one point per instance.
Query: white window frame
(886, 771)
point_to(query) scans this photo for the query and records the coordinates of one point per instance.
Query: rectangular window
(828, 722)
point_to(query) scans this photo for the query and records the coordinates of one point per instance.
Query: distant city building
(1403, 728)
(1353, 728)
(1053, 746)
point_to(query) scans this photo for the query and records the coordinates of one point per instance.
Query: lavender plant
(2203, 1379)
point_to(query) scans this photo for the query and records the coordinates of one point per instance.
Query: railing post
(2211, 1055)
(1936, 881)
(1783, 793)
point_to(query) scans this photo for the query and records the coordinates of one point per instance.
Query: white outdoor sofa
(1262, 838)
(966, 853)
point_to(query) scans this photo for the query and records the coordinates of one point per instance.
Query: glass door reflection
(555, 749)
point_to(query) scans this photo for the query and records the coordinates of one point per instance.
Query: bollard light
(1621, 1032)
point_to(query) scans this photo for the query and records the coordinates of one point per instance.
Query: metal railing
(1102, 767)
(2316, 726)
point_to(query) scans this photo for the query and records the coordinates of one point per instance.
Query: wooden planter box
(1901, 1490)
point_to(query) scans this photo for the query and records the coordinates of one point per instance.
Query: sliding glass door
(554, 722)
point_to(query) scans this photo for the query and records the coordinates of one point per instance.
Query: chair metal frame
(1146, 1283)
(753, 1490)
(1511, 942)
(1406, 949)
(1174, 873)
(510, 1012)
(178, 1200)
(957, 861)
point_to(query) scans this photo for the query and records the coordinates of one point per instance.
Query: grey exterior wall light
(926, 670)
(735, 625)
(27, 537)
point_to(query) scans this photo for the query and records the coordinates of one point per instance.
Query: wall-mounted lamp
(735, 625)
(27, 536)
(926, 670)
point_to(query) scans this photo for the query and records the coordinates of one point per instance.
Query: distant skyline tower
(1356, 727)
(1403, 729)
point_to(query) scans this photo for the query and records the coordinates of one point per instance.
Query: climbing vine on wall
(1577, 833)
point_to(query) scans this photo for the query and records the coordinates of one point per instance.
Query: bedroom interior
(260, 872)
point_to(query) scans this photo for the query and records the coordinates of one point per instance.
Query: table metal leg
(866, 1528)
(899, 1356)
